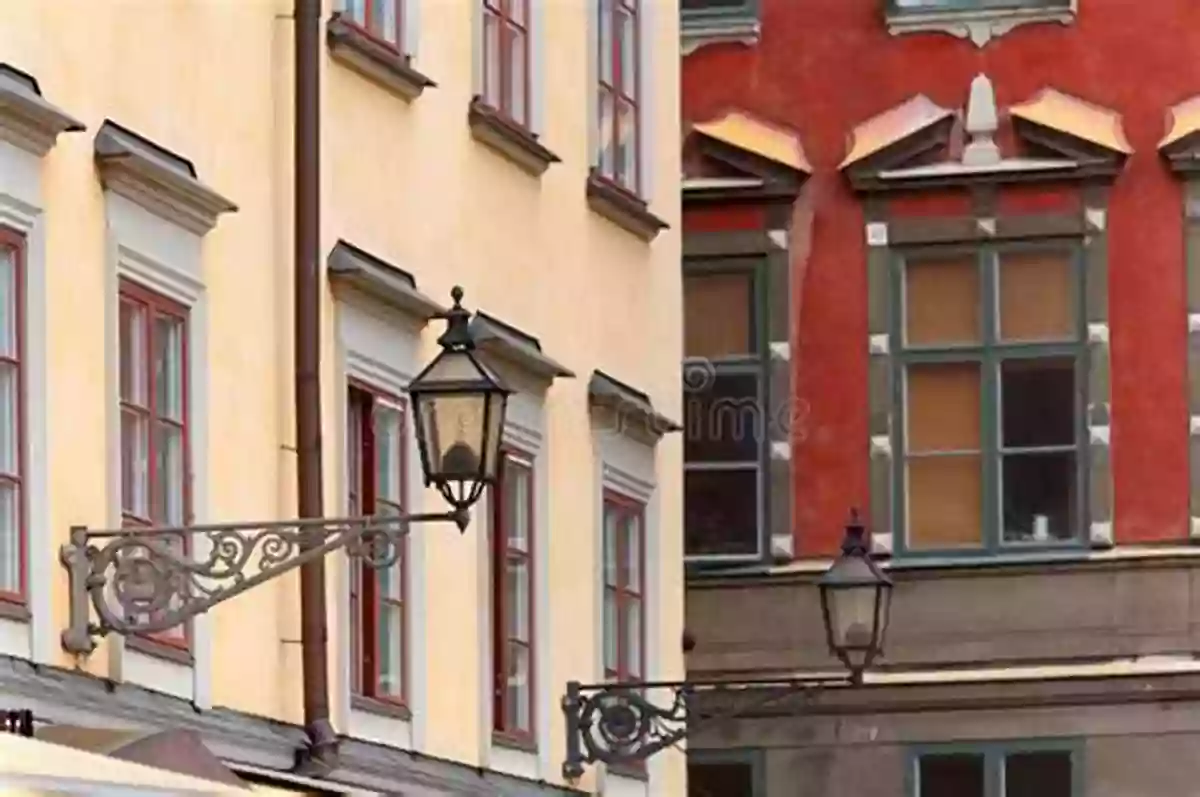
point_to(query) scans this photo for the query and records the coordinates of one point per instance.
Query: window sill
(12, 607)
(622, 208)
(699, 31)
(523, 742)
(508, 138)
(382, 708)
(980, 26)
(374, 60)
(161, 650)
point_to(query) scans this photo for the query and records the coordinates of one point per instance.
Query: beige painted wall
(210, 79)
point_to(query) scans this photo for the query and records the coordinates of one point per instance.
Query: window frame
(154, 304)
(364, 592)
(615, 89)
(506, 21)
(498, 553)
(743, 10)
(977, 6)
(17, 243)
(994, 755)
(626, 507)
(756, 362)
(371, 32)
(989, 352)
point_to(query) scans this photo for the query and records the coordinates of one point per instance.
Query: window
(12, 496)
(375, 434)
(992, 369)
(512, 599)
(624, 588)
(383, 20)
(971, 5)
(1017, 771)
(725, 773)
(506, 80)
(724, 420)
(619, 98)
(709, 12)
(153, 362)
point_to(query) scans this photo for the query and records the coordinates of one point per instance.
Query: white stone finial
(981, 124)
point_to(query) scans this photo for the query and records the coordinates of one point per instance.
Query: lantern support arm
(625, 723)
(148, 580)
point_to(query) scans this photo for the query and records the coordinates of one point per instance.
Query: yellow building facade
(527, 150)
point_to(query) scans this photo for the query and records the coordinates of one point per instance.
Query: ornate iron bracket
(147, 580)
(620, 724)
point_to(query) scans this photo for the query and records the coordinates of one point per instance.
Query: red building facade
(983, 217)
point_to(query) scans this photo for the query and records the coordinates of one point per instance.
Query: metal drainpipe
(322, 751)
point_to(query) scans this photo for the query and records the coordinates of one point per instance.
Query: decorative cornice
(516, 347)
(629, 411)
(26, 118)
(157, 179)
(979, 26)
(694, 34)
(394, 287)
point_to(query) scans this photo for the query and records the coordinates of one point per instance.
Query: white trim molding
(979, 25)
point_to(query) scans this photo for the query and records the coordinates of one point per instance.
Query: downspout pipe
(321, 753)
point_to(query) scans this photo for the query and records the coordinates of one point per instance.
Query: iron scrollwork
(141, 581)
(619, 724)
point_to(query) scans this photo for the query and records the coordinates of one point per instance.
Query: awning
(177, 749)
(37, 766)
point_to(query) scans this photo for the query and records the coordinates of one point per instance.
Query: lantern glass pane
(497, 403)
(852, 616)
(451, 366)
(454, 427)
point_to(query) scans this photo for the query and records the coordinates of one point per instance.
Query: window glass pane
(721, 512)
(633, 552)
(10, 419)
(135, 471)
(626, 156)
(606, 156)
(1038, 398)
(632, 628)
(941, 300)
(168, 366)
(945, 501)
(516, 10)
(518, 107)
(391, 649)
(517, 604)
(1039, 497)
(610, 630)
(627, 47)
(942, 407)
(168, 475)
(491, 59)
(718, 315)
(132, 356)
(1038, 293)
(356, 10)
(734, 779)
(516, 506)
(10, 537)
(724, 422)
(1041, 774)
(517, 688)
(612, 518)
(388, 422)
(606, 41)
(354, 453)
(958, 775)
(8, 304)
(384, 25)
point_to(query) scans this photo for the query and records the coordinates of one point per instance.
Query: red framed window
(378, 598)
(382, 20)
(619, 95)
(624, 588)
(506, 85)
(512, 599)
(13, 540)
(153, 362)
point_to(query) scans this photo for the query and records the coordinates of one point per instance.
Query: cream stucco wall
(211, 80)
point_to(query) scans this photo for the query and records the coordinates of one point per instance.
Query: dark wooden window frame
(626, 507)
(509, 26)
(365, 597)
(618, 90)
(502, 730)
(994, 755)
(177, 647)
(372, 31)
(989, 353)
(758, 363)
(16, 243)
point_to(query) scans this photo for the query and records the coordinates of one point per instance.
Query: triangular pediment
(1054, 123)
(1181, 145)
(738, 152)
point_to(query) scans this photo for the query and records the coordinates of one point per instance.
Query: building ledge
(628, 410)
(375, 60)
(490, 127)
(622, 208)
(519, 348)
(26, 118)
(978, 25)
(696, 31)
(348, 265)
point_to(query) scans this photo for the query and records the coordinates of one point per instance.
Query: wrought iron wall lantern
(148, 580)
(622, 723)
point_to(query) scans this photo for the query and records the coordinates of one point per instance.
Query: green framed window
(726, 428)
(713, 15)
(924, 6)
(1051, 768)
(726, 773)
(990, 381)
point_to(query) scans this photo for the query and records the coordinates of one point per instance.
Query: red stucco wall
(823, 66)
